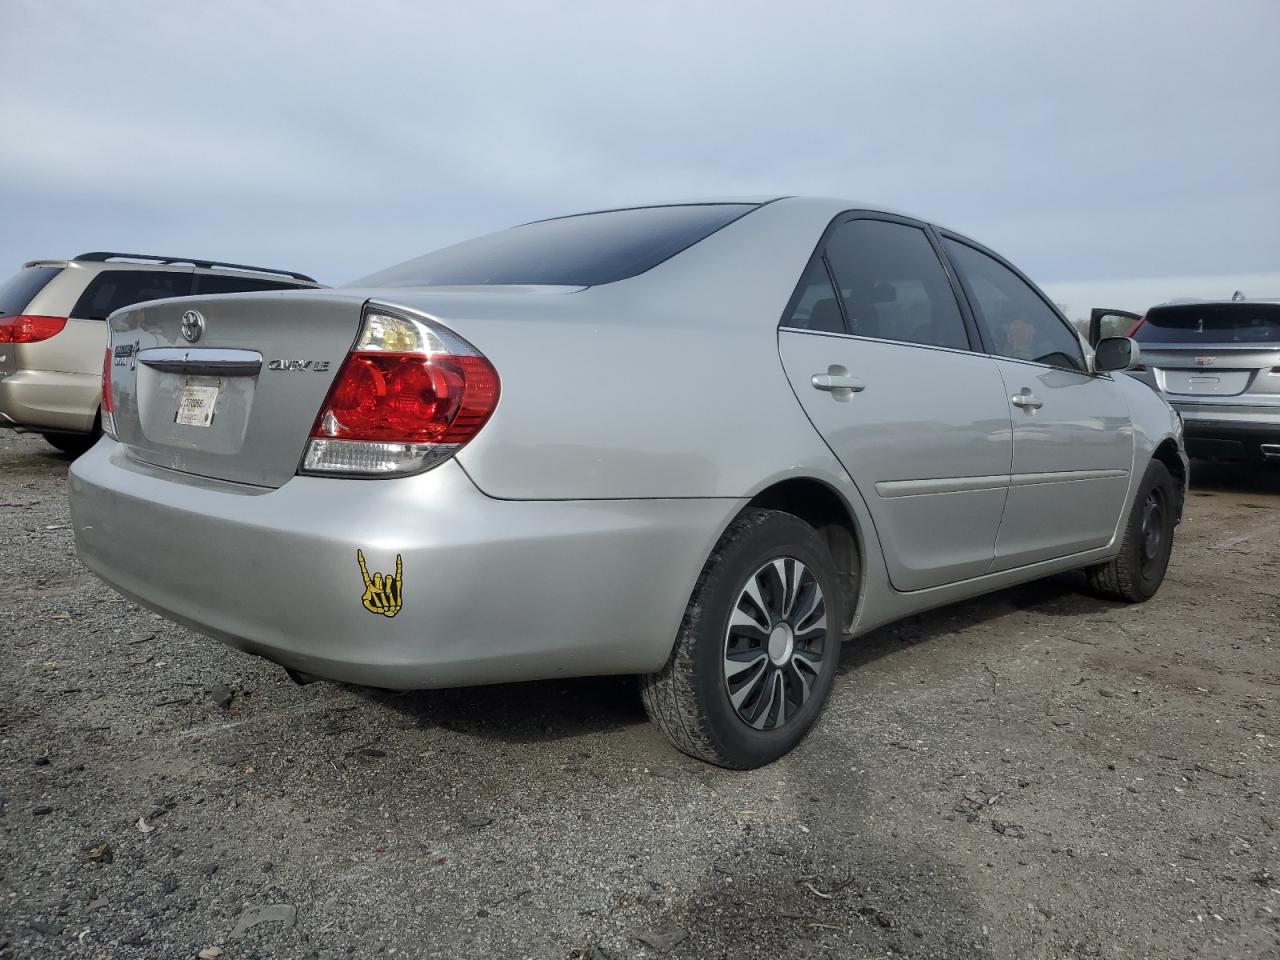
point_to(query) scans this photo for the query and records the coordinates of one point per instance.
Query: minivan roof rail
(101, 256)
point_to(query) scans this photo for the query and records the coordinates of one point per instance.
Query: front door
(1072, 434)
(883, 364)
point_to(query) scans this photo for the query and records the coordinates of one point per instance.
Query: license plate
(196, 401)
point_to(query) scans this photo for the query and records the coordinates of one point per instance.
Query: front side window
(580, 251)
(893, 285)
(1018, 322)
(112, 290)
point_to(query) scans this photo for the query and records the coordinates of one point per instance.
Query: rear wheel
(72, 444)
(756, 654)
(1139, 568)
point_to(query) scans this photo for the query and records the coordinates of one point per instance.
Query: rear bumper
(44, 400)
(1241, 439)
(493, 590)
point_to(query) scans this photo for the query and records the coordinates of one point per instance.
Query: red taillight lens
(410, 393)
(107, 418)
(106, 382)
(409, 398)
(1134, 329)
(26, 329)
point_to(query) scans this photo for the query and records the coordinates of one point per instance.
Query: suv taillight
(108, 407)
(409, 395)
(27, 329)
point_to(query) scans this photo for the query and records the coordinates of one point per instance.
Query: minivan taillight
(29, 329)
(108, 407)
(408, 396)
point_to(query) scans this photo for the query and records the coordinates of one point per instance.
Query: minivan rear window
(1241, 322)
(113, 289)
(579, 251)
(18, 290)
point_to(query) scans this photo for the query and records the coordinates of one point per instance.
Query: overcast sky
(1086, 141)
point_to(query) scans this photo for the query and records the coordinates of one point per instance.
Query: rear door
(1072, 434)
(880, 355)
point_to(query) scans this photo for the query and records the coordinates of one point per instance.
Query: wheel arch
(1167, 453)
(822, 507)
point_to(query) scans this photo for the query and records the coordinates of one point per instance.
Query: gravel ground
(1033, 774)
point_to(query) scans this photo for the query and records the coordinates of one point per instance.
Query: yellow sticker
(383, 594)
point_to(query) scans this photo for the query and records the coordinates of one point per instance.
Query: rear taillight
(407, 397)
(1134, 329)
(26, 329)
(108, 408)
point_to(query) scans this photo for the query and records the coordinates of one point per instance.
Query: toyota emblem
(192, 325)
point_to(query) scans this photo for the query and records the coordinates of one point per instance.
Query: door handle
(1026, 400)
(837, 382)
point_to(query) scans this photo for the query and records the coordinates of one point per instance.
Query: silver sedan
(701, 443)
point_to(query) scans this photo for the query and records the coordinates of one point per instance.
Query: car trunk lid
(235, 395)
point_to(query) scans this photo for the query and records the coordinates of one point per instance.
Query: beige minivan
(53, 334)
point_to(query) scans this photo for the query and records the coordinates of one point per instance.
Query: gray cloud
(1085, 141)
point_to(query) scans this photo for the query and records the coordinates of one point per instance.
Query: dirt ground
(1034, 774)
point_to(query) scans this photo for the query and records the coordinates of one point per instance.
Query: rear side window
(212, 284)
(1212, 323)
(113, 289)
(18, 290)
(814, 306)
(893, 285)
(580, 251)
(1017, 320)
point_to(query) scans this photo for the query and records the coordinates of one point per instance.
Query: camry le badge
(318, 366)
(192, 325)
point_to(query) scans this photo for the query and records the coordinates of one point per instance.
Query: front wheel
(756, 654)
(1136, 572)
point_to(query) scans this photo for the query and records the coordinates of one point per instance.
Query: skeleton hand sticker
(383, 594)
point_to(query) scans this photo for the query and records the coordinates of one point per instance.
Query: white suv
(52, 334)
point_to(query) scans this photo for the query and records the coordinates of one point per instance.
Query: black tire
(72, 444)
(1136, 572)
(689, 698)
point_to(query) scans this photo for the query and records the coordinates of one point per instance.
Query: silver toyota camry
(702, 443)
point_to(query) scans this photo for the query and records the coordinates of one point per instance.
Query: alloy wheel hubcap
(774, 644)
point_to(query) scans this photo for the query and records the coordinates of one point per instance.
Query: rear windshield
(18, 290)
(579, 251)
(1212, 323)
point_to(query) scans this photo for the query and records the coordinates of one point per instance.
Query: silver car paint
(639, 417)
(493, 591)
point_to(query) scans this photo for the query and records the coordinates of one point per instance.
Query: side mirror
(1115, 353)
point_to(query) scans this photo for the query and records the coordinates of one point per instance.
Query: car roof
(103, 260)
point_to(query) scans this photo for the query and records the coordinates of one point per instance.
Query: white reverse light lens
(368, 458)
